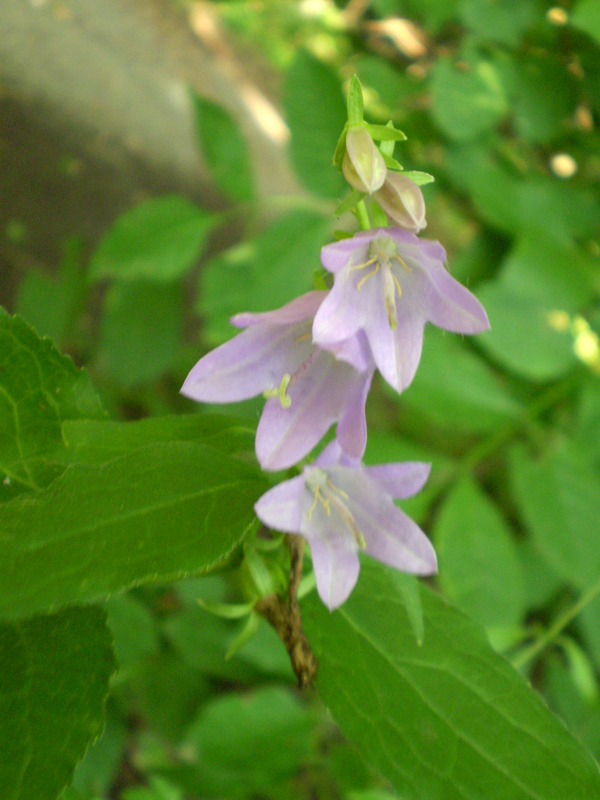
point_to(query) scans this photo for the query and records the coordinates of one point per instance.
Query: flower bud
(363, 165)
(403, 202)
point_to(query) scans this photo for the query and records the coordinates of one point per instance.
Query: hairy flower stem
(284, 616)
(556, 628)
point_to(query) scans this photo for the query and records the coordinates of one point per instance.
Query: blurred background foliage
(501, 103)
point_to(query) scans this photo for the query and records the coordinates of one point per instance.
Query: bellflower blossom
(388, 283)
(307, 388)
(342, 507)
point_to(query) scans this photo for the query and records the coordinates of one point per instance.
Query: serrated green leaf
(158, 240)
(447, 720)
(316, 114)
(157, 513)
(478, 561)
(559, 498)
(224, 148)
(94, 442)
(39, 390)
(54, 673)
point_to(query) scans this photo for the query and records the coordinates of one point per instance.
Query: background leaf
(445, 721)
(54, 673)
(39, 389)
(158, 239)
(224, 148)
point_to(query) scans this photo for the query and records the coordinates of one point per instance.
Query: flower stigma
(330, 496)
(280, 391)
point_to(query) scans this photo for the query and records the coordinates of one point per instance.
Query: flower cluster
(314, 360)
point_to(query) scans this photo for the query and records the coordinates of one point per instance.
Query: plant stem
(362, 216)
(557, 627)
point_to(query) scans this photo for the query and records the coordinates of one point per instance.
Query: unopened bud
(403, 202)
(363, 165)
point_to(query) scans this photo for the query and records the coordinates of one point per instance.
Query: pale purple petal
(339, 317)
(355, 351)
(390, 535)
(318, 391)
(336, 256)
(336, 565)
(396, 353)
(280, 507)
(249, 364)
(452, 306)
(352, 426)
(400, 480)
(301, 308)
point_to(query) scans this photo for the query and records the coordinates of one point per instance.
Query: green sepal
(339, 235)
(420, 178)
(340, 148)
(306, 585)
(378, 216)
(385, 133)
(390, 162)
(355, 102)
(244, 636)
(225, 610)
(348, 203)
(264, 577)
(387, 147)
(319, 281)
(267, 545)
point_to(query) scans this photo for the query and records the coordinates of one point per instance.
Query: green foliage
(446, 719)
(316, 114)
(54, 673)
(157, 240)
(224, 148)
(479, 564)
(39, 389)
(262, 273)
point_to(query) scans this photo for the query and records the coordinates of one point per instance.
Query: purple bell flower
(308, 389)
(388, 284)
(342, 507)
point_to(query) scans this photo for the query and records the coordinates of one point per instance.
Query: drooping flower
(342, 507)
(388, 283)
(308, 389)
(403, 202)
(363, 165)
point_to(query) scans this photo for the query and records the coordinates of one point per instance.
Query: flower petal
(249, 364)
(318, 391)
(352, 426)
(336, 565)
(400, 480)
(280, 507)
(451, 306)
(336, 256)
(297, 310)
(396, 353)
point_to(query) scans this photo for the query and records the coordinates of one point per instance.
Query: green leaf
(316, 114)
(92, 442)
(39, 389)
(499, 20)
(453, 387)
(224, 148)
(447, 720)
(559, 498)
(141, 328)
(155, 514)
(261, 274)
(522, 337)
(133, 629)
(250, 741)
(54, 673)
(478, 561)
(158, 239)
(586, 17)
(467, 103)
